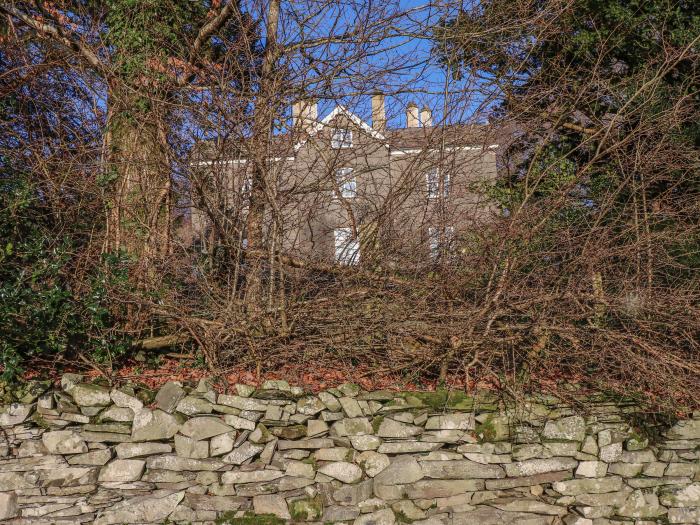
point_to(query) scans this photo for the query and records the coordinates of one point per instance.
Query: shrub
(44, 308)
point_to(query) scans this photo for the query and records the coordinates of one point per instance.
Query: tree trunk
(138, 220)
(262, 132)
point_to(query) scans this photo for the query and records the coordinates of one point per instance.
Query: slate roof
(286, 145)
(452, 135)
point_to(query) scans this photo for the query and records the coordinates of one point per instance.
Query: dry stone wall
(90, 454)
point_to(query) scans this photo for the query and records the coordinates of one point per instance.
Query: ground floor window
(347, 248)
(440, 239)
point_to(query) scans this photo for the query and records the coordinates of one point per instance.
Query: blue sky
(416, 74)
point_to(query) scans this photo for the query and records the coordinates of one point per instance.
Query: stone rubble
(89, 454)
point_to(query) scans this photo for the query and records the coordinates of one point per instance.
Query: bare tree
(531, 221)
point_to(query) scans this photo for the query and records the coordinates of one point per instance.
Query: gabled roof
(399, 140)
(340, 110)
(451, 136)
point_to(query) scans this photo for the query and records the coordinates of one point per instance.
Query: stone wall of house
(89, 454)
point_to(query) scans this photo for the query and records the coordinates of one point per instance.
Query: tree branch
(212, 26)
(56, 34)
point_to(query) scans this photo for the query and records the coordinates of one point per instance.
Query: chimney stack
(378, 112)
(411, 115)
(304, 114)
(426, 117)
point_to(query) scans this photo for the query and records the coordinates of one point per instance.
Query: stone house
(347, 190)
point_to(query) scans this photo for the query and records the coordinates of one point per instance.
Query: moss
(100, 381)
(402, 518)
(265, 435)
(40, 421)
(413, 401)
(299, 513)
(311, 461)
(636, 436)
(440, 399)
(376, 422)
(144, 394)
(32, 391)
(610, 396)
(350, 389)
(229, 518)
(290, 432)
(485, 431)
(308, 509)
(651, 426)
(496, 427)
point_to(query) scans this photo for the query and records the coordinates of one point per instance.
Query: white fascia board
(449, 148)
(239, 161)
(223, 161)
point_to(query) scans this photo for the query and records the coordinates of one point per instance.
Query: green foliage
(105, 179)
(42, 313)
(147, 37)
(144, 30)
(98, 314)
(583, 66)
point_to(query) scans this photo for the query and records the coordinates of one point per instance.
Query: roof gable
(340, 110)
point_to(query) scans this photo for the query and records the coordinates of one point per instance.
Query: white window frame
(347, 184)
(434, 241)
(341, 138)
(432, 182)
(347, 248)
(439, 239)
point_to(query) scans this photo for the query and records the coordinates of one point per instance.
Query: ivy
(41, 311)
(145, 32)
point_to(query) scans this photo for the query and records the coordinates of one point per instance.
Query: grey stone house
(347, 190)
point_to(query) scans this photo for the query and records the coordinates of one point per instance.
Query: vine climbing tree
(145, 58)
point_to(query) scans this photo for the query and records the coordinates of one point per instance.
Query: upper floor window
(341, 138)
(347, 247)
(346, 182)
(432, 179)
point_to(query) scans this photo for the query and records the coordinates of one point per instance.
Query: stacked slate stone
(90, 454)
